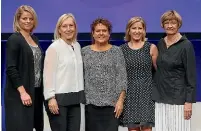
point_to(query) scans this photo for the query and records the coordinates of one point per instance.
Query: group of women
(116, 84)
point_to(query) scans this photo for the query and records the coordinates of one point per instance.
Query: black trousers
(38, 109)
(100, 118)
(68, 119)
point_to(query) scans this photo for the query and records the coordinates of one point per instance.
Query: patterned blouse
(104, 75)
(37, 64)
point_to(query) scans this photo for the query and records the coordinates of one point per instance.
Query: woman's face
(137, 31)
(67, 29)
(26, 21)
(101, 34)
(171, 27)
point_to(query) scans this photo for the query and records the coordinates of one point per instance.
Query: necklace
(169, 43)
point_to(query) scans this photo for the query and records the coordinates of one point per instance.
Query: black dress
(20, 71)
(138, 107)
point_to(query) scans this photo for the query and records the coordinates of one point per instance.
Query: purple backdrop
(117, 11)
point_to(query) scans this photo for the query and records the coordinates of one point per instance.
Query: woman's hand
(26, 99)
(187, 110)
(53, 106)
(118, 108)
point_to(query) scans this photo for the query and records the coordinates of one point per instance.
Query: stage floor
(196, 119)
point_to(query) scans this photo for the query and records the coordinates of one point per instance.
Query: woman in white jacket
(63, 77)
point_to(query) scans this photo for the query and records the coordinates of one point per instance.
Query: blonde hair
(171, 15)
(132, 21)
(19, 11)
(61, 19)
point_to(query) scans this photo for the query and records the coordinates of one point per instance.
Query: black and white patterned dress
(139, 107)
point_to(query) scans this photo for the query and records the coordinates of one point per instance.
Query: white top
(63, 69)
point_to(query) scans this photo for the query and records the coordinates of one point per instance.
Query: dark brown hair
(103, 21)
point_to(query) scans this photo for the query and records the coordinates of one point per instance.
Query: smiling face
(67, 29)
(171, 21)
(137, 31)
(171, 27)
(101, 34)
(26, 21)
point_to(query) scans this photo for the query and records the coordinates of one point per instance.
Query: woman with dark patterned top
(140, 57)
(105, 79)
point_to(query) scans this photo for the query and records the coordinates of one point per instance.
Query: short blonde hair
(171, 15)
(130, 23)
(19, 11)
(61, 19)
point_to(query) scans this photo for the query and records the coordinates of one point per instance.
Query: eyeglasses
(170, 22)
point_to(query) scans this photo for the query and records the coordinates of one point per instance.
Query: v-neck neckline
(27, 44)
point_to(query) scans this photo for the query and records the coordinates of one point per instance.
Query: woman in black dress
(140, 57)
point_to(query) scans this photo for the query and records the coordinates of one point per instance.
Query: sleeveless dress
(138, 106)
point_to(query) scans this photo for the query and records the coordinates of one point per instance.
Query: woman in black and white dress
(140, 57)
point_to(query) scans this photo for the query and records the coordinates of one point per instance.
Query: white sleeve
(49, 75)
